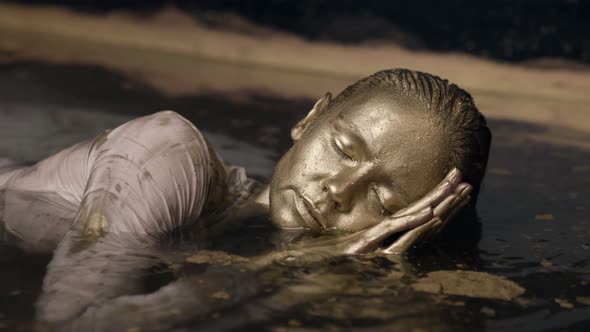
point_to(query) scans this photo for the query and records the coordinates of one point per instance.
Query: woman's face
(364, 159)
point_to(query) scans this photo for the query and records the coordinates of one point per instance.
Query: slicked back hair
(451, 108)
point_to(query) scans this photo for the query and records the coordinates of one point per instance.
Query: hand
(447, 199)
(423, 218)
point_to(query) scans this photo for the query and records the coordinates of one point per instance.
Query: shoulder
(156, 130)
(165, 138)
(167, 118)
(166, 122)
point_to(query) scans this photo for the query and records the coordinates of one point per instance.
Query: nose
(341, 188)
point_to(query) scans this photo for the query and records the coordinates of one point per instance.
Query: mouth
(306, 211)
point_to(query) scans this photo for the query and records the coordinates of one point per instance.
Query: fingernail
(467, 190)
(453, 172)
(455, 176)
(446, 184)
(460, 187)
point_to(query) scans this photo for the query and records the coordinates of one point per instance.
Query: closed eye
(340, 149)
(384, 211)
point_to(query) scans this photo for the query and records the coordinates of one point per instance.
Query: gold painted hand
(446, 200)
(424, 219)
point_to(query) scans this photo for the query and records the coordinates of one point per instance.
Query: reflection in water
(218, 290)
(533, 211)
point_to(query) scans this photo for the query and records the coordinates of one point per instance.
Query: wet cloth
(103, 205)
(148, 176)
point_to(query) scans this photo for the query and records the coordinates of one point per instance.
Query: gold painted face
(356, 163)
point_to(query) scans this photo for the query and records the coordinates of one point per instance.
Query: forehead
(401, 139)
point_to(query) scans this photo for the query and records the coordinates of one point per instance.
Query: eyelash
(339, 150)
(384, 211)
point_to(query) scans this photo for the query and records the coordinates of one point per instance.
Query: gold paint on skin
(356, 162)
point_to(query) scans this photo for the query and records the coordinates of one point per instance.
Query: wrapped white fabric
(148, 176)
(107, 201)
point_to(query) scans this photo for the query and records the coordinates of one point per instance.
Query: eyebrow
(354, 131)
(358, 137)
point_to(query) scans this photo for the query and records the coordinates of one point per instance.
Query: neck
(263, 197)
(257, 205)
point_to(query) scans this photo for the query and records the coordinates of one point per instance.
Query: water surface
(532, 231)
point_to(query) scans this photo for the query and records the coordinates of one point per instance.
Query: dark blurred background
(508, 30)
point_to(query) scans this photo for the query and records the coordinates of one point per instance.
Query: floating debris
(545, 216)
(546, 262)
(215, 257)
(500, 171)
(581, 168)
(220, 295)
(470, 284)
(564, 303)
(452, 303)
(488, 311)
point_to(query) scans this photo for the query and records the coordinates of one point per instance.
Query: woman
(385, 156)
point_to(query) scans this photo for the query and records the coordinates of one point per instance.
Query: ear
(320, 107)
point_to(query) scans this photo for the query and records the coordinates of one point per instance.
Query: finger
(454, 177)
(461, 203)
(441, 220)
(443, 207)
(373, 236)
(460, 187)
(431, 199)
(443, 213)
(432, 231)
(436, 195)
(463, 188)
(438, 228)
(406, 241)
(394, 225)
(462, 191)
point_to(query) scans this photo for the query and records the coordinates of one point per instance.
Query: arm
(145, 178)
(148, 176)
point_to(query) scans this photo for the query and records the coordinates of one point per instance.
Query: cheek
(303, 164)
(281, 173)
(280, 212)
(359, 218)
(313, 157)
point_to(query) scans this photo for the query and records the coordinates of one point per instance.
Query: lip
(306, 212)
